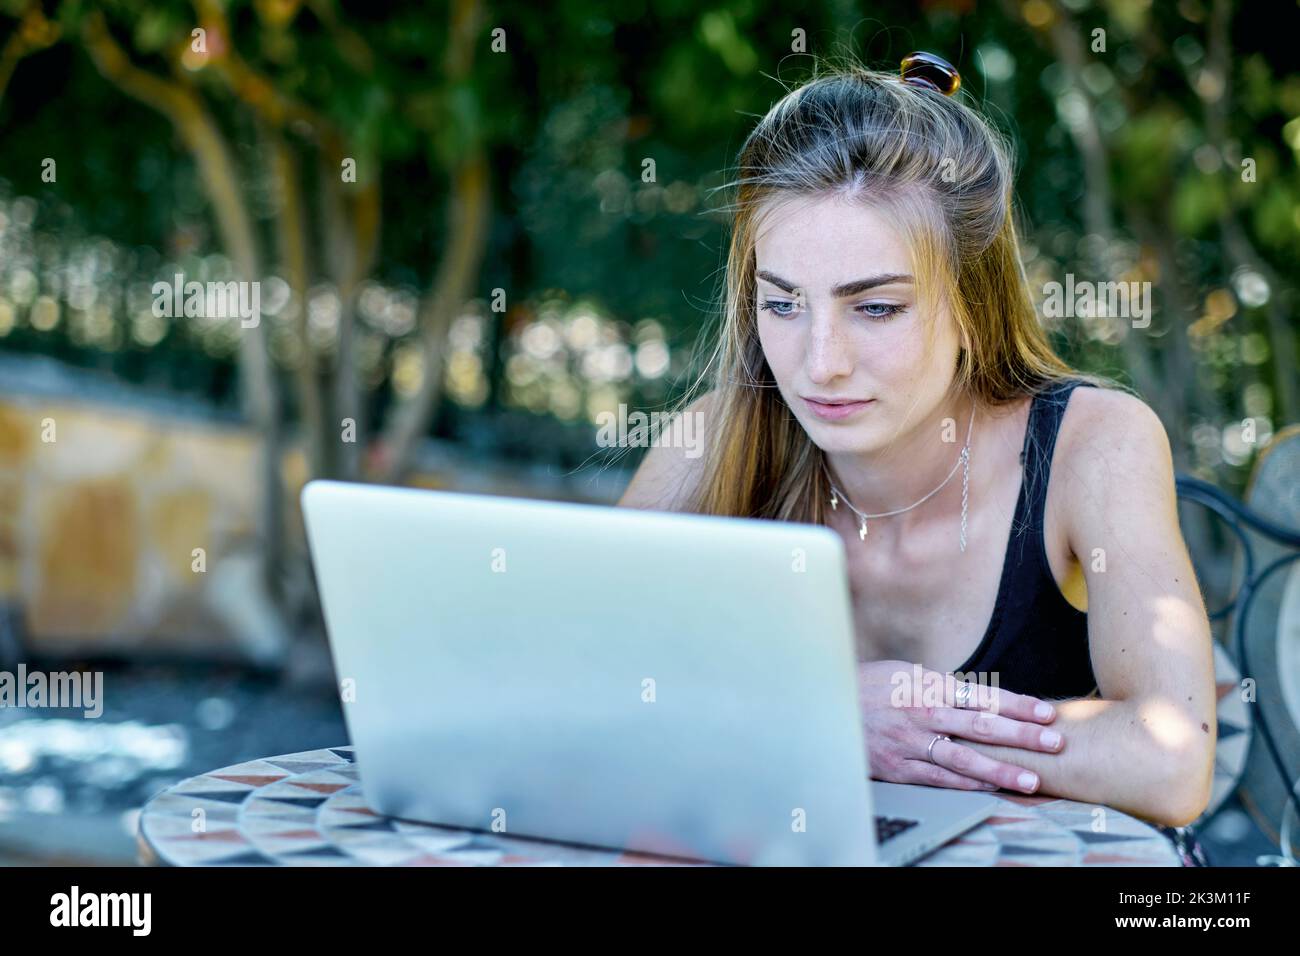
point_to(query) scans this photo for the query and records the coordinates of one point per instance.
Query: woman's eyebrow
(841, 291)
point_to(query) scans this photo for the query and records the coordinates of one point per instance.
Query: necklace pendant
(834, 501)
(862, 531)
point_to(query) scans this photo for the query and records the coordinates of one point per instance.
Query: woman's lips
(833, 413)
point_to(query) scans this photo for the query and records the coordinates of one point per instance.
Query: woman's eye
(880, 310)
(872, 310)
(777, 307)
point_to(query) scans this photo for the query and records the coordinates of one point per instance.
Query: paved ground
(70, 787)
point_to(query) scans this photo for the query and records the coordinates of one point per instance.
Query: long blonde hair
(946, 175)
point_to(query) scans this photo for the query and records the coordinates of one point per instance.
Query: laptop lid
(670, 683)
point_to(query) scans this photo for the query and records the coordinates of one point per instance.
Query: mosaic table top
(306, 809)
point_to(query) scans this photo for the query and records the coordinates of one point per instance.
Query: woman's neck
(911, 466)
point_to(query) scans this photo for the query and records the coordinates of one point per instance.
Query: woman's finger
(915, 686)
(977, 696)
(932, 775)
(968, 762)
(990, 728)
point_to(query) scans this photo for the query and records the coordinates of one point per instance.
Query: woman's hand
(901, 723)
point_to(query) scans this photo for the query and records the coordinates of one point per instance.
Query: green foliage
(1199, 200)
(584, 94)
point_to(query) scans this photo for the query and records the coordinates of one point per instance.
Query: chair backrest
(1262, 635)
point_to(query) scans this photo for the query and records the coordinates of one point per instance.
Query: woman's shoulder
(1101, 411)
(1091, 403)
(669, 474)
(1110, 434)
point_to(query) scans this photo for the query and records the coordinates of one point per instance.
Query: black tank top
(1036, 642)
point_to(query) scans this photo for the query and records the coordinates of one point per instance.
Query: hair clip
(930, 72)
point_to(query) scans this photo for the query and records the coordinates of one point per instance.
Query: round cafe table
(306, 809)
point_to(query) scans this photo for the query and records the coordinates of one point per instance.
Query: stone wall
(101, 508)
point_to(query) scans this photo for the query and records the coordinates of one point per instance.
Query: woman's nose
(828, 355)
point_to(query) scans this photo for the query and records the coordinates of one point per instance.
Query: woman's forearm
(1145, 756)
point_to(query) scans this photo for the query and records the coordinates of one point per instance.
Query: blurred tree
(311, 95)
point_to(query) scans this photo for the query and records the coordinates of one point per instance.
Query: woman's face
(838, 320)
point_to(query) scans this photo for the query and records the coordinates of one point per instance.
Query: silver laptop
(666, 683)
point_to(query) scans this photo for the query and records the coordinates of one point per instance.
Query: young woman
(881, 370)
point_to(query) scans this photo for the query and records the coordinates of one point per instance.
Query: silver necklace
(963, 462)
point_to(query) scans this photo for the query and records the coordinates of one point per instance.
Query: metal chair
(1253, 618)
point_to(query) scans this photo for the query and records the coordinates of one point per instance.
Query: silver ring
(964, 690)
(929, 751)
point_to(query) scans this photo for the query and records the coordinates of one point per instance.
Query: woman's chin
(841, 439)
